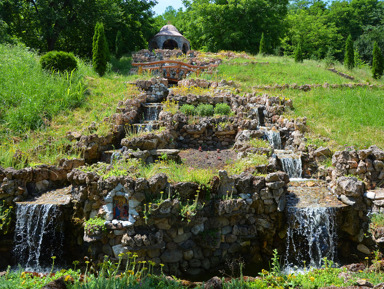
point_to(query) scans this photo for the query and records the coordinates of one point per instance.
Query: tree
(210, 24)
(99, 50)
(377, 62)
(118, 45)
(349, 56)
(298, 53)
(262, 48)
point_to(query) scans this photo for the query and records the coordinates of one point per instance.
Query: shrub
(119, 45)
(377, 62)
(298, 53)
(349, 57)
(204, 109)
(188, 109)
(223, 109)
(58, 61)
(262, 48)
(99, 50)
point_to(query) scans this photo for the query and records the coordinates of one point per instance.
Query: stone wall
(239, 215)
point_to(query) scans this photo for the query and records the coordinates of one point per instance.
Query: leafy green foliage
(210, 25)
(349, 56)
(377, 62)
(204, 109)
(222, 109)
(48, 25)
(187, 109)
(298, 53)
(94, 225)
(6, 215)
(119, 45)
(99, 50)
(58, 61)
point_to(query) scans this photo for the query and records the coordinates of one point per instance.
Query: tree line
(317, 29)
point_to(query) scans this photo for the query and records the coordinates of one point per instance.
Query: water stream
(38, 236)
(150, 117)
(311, 236)
(291, 163)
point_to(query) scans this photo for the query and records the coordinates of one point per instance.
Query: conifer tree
(262, 49)
(119, 45)
(298, 53)
(377, 62)
(349, 56)
(99, 50)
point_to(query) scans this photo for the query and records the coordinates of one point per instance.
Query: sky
(162, 4)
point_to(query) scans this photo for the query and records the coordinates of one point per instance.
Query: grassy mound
(29, 96)
(38, 109)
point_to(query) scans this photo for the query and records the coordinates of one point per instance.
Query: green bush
(223, 109)
(377, 62)
(349, 57)
(99, 50)
(262, 47)
(298, 53)
(204, 109)
(58, 61)
(188, 109)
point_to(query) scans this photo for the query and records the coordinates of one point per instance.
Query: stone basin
(55, 197)
(311, 193)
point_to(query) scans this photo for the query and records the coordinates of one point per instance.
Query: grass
(344, 115)
(45, 142)
(283, 70)
(29, 96)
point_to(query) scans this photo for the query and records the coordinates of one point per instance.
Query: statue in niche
(120, 208)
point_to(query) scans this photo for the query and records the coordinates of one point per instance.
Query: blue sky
(162, 4)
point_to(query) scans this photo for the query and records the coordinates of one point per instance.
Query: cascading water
(292, 166)
(38, 235)
(273, 138)
(151, 115)
(311, 236)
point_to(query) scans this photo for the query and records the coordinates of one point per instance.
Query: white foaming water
(38, 236)
(311, 237)
(292, 166)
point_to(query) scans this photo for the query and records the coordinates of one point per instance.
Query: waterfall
(311, 236)
(151, 115)
(151, 111)
(292, 166)
(38, 235)
(273, 138)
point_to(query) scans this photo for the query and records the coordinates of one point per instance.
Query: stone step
(56, 197)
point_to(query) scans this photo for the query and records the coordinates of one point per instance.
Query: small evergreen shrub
(204, 109)
(188, 109)
(119, 45)
(262, 48)
(377, 62)
(349, 57)
(298, 53)
(99, 50)
(223, 109)
(58, 61)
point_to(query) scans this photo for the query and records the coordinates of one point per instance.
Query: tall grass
(29, 96)
(347, 116)
(283, 70)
